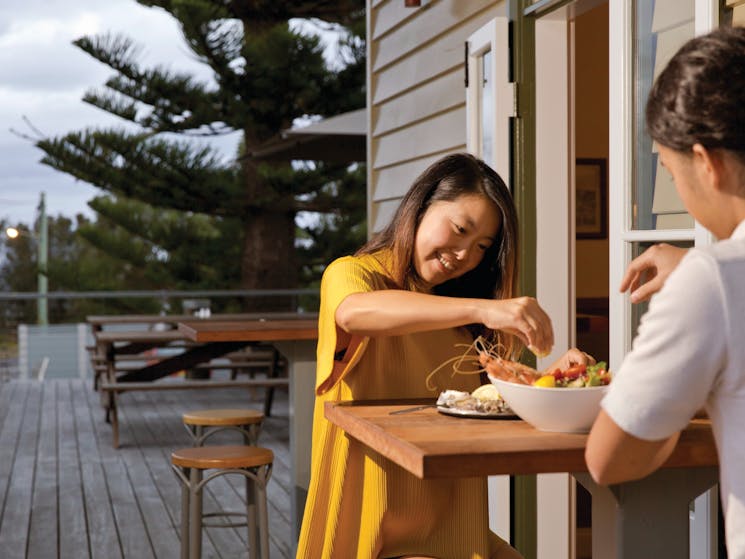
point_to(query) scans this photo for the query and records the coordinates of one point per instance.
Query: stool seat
(223, 417)
(223, 456)
(202, 424)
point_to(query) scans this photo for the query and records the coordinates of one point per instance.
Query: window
(645, 208)
(490, 96)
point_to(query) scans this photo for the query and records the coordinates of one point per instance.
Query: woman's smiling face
(453, 236)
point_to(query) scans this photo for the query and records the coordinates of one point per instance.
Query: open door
(490, 101)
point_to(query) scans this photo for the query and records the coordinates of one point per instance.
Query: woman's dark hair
(446, 180)
(699, 98)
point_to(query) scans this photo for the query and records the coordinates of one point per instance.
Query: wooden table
(644, 518)
(296, 340)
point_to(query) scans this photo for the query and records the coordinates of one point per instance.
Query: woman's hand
(523, 317)
(572, 357)
(646, 274)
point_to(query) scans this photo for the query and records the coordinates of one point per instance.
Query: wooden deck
(65, 492)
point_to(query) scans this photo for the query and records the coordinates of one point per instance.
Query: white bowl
(566, 410)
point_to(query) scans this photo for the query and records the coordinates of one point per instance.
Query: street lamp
(42, 246)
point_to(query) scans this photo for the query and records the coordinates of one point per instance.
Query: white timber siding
(416, 91)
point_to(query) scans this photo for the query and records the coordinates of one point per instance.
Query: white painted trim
(657, 235)
(620, 172)
(706, 19)
(554, 197)
(556, 511)
(555, 259)
(704, 532)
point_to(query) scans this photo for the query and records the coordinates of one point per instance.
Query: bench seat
(110, 390)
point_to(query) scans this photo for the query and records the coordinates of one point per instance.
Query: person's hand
(646, 274)
(523, 317)
(572, 357)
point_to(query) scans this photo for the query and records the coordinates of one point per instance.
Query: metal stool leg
(251, 519)
(185, 494)
(260, 489)
(195, 514)
(200, 433)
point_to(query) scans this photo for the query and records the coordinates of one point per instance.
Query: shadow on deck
(65, 492)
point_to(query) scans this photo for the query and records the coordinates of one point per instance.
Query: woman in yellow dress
(443, 271)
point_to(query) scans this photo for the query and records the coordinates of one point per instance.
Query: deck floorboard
(66, 492)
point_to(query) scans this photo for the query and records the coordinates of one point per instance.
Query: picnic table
(100, 322)
(134, 347)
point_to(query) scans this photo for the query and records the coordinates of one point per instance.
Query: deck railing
(25, 344)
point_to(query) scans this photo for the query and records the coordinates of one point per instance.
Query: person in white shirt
(690, 349)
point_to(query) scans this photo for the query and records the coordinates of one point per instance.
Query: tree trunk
(268, 260)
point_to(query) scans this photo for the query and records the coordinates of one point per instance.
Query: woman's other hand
(572, 357)
(646, 274)
(523, 317)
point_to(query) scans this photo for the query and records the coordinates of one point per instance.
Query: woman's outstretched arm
(395, 312)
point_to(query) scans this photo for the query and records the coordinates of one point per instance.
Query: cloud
(43, 77)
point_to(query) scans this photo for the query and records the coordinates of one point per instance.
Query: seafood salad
(577, 376)
(483, 356)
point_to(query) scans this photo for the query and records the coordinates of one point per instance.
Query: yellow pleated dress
(361, 505)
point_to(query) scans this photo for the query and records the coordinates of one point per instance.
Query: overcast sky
(43, 78)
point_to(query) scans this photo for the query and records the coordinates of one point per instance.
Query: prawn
(484, 356)
(498, 367)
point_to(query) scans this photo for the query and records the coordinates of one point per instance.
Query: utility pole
(43, 245)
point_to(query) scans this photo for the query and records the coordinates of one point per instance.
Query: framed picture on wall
(591, 215)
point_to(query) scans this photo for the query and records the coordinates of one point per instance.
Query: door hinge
(465, 64)
(512, 95)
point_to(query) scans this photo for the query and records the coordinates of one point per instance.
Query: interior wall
(591, 136)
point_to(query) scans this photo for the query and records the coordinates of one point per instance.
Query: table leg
(301, 369)
(647, 517)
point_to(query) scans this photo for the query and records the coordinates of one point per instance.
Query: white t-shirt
(690, 353)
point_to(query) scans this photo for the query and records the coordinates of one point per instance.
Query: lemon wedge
(486, 392)
(537, 352)
(546, 381)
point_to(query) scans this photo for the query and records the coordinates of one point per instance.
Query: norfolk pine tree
(266, 75)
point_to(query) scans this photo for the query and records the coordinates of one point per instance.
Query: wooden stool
(254, 463)
(202, 424)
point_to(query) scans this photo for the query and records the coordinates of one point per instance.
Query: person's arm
(395, 312)
(646, 274)
(613, 456)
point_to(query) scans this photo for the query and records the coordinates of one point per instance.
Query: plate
(507, 414)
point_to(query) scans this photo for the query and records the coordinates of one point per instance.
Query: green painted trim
(542, 7)
(524, 174)
(523, 182)
(524, 516)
